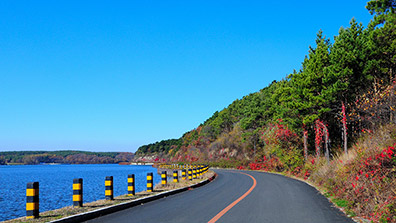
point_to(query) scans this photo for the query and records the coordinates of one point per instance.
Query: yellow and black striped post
(109, 188)
(32, 200)
(183, 174)
(149, 182)
(131, 184)
(164, 178)
(78, 192)
(194, 173)
(175, 176)
(190, 174)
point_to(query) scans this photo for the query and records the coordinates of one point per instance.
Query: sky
(115, 75)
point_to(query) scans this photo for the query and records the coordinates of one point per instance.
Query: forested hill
(64, 156)
(345, 87)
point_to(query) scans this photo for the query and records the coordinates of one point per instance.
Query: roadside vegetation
(332, 122)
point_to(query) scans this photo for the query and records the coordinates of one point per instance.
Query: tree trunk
(344, 127)
(326, 133)
(318, 138)
(305, 145)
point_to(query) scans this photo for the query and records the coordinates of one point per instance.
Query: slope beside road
(237, 196)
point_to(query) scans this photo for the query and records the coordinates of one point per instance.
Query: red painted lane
(225, 210)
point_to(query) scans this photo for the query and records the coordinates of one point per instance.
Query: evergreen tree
(383, 38)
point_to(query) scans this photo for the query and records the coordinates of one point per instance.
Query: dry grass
(363, 181)
(70, 210)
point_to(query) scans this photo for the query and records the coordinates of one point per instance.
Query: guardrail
(32, 188)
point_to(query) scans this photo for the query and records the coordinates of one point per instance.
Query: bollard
(194, 173)
(78, 192)
(183, 174)
(149, 182)
(164, 178)
(131, 184)
(109, 188)
(190, 174)
(175, 176)
(32, 200)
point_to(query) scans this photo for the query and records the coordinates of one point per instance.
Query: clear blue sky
(114, 75)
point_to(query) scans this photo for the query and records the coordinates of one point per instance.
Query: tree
(347, 75)
(308, 85)
(383, 38)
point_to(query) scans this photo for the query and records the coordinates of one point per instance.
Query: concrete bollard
(109, 188)
(32, 200)
(78, 192)
(175, 176)
(131, 184)
(190, 174)
(164, 178)
(149, 182)
(183, 174)
(194, 173)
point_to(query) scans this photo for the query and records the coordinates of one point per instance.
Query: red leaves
(280, 134)
(320, 131)
(266, 164)
(344, 116)
(369, 183)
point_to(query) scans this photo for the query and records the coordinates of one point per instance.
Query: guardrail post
(32, 200)
(175, 176)
(109, 188)
(131, 184)
(199, 171)
(78, 192)
(164, 178)
(183, 174)
(149, 182)
(190, 174)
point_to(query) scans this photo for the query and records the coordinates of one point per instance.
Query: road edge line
(118, 207)
(226, 209)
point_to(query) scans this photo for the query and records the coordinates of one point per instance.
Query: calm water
(56, 184)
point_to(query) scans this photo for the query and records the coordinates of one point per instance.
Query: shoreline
(68, 211)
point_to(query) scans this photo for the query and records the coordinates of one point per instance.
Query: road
(237, 196)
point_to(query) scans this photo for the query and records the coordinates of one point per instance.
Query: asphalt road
(273, 198)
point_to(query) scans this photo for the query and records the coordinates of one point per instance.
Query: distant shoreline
(50, 164)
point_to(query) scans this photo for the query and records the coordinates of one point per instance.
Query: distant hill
(64, 156)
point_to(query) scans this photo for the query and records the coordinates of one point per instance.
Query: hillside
(343, 88)
(64, 156)
(331, 122)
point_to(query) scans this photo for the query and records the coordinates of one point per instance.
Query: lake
(56, 183)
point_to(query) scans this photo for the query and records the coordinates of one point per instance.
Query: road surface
(237, 196)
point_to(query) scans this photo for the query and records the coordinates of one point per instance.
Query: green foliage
(63, 156)
(347, 75)
(163, 146)
(341, 202)
(382, 38)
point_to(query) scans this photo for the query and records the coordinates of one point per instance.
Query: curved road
(237, 196)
